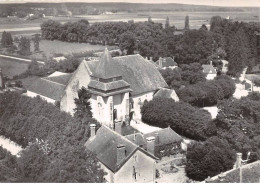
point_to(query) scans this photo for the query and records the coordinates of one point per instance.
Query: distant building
(166, 62)
(210, 71)
(121, 159)
(166, 93)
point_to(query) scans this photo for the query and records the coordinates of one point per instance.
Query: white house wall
(80, 78)
(143, 165)
(140, 99)
(211, 76)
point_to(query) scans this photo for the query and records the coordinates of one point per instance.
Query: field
(11, 67)
(58, 47)
(21, 26)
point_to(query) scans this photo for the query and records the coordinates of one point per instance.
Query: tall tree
(83, 106)
(127, 42)
(187, 23)
(167, 23)
(24, 46)
(36, 42)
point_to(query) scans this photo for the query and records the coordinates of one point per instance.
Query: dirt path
(9, 145)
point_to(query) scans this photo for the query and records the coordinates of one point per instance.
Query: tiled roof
(166, 93)
(104, 145)
(105, 67)
(166, 136)
(62, 79)
(209, 69)
(108, 86)
(250, 174)
(47, 88)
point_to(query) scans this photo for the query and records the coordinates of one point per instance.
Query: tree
(127, 42)
(7, 39)
(209, 158)
(83, 105)
(186, 120)
(187, 24)
(24, 46)
(36, 42)
(204, 27)
(167, 23)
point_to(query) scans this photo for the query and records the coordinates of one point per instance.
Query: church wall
(80, 78)
(138, 102)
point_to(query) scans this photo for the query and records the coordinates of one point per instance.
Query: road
(21, 59)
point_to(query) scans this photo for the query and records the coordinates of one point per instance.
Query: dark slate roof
(108, 86)
(105, 67)
(47, 88)
(209, 69)
(62, 79)
(166, 93)
(167, 62)
(166, 136)
(104, 145)
(141, 74)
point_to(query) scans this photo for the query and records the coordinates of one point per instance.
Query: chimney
(92, 130)
(146, 58)
(120, 153)
(173, 58)
(118, 126)
(150, 144)
(239, 160)
(156, 138)
(160, 62)
(151, 59)
(211, 63)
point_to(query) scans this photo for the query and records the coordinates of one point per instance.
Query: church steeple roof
(106, 67)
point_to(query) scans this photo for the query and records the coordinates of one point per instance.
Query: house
(166, 93)
(122, 160)
(210, 71)
(167, 141)
(118, 86)
(166, 62)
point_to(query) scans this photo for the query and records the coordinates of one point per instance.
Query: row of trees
(53, 139)
(208, 93)
(239, 40)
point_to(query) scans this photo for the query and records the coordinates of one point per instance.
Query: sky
(251, 3)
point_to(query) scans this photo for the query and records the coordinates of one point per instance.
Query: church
(118, 86)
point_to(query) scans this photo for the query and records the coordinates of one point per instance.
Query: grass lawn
(11, 67)
(51, 47)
